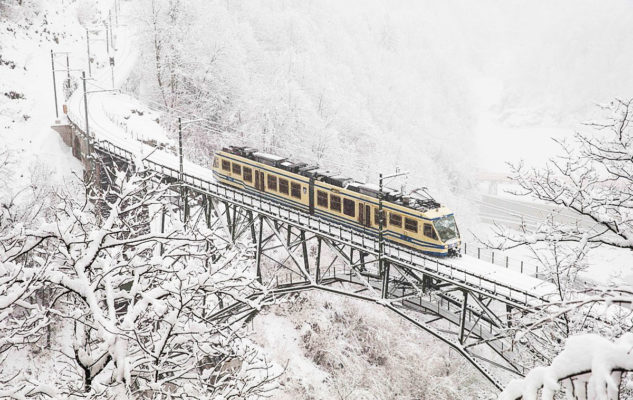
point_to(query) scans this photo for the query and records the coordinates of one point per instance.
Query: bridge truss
(296, 252)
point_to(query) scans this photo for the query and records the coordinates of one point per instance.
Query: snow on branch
(590, 363)
(593, 177)
(129, 297)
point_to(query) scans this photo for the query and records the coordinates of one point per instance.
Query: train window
(272, 182)
(295, 190)
(376, 219)
(237, 169)
(411, 225)
(321, 198)
(248, 174)
(395, 220)
(335, 203)
(283, 186)
(226, 165)
(429, 231)
(215, 162)
(349, 207)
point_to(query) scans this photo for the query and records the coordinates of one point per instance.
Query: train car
(413, 220)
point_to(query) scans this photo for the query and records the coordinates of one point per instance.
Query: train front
(449, 234)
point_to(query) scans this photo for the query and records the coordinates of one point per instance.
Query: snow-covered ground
(119, 118)
(37, 154)
(335, 347)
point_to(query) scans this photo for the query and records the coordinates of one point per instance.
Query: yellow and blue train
(414, 220)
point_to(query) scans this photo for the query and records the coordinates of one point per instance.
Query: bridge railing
(502, 260)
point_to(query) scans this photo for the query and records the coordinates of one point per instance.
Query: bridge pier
(251, 223)
(462, 322)
(318, 261)
(185, 197)
(207, 208)
(427, 283)
(362, 261)
(258, 251)
(509, 315)
(76, 140)
(162, 228)
(385, 279)
(304, 248)
(289, 235)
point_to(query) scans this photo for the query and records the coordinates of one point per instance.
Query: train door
(364, 214)
(259, 180)
(311, 195)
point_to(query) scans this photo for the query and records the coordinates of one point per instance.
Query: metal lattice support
(402, 290)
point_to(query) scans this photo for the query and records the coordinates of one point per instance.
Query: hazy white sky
(537, 68)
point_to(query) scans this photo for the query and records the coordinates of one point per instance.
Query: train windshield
(446, 228)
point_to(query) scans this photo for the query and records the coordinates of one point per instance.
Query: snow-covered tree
(315, 82)
(593, 178)
(590, 367)
(127, 292)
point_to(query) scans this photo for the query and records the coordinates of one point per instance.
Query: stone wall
(66, 132)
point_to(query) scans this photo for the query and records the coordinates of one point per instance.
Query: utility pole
(54, 83)
(112, 69)
(107, 38)
(109, 45)
(180, 147)
(183, 195)
(68, 72)
(116, 12)
(88, 47)
(383, 267)
(380, 225)
(111, 30)
(83, 78)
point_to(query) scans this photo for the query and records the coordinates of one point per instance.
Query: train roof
(418, 199)
(268, 157)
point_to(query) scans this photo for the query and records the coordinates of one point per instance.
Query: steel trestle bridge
(466, 310)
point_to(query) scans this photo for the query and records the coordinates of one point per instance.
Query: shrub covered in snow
(119, 305)
(340, 348)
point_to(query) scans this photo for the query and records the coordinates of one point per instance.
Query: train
(414, 220)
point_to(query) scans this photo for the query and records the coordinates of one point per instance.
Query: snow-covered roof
(270, 157)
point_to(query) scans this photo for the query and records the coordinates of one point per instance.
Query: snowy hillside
(335, 348)
(28, 34)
